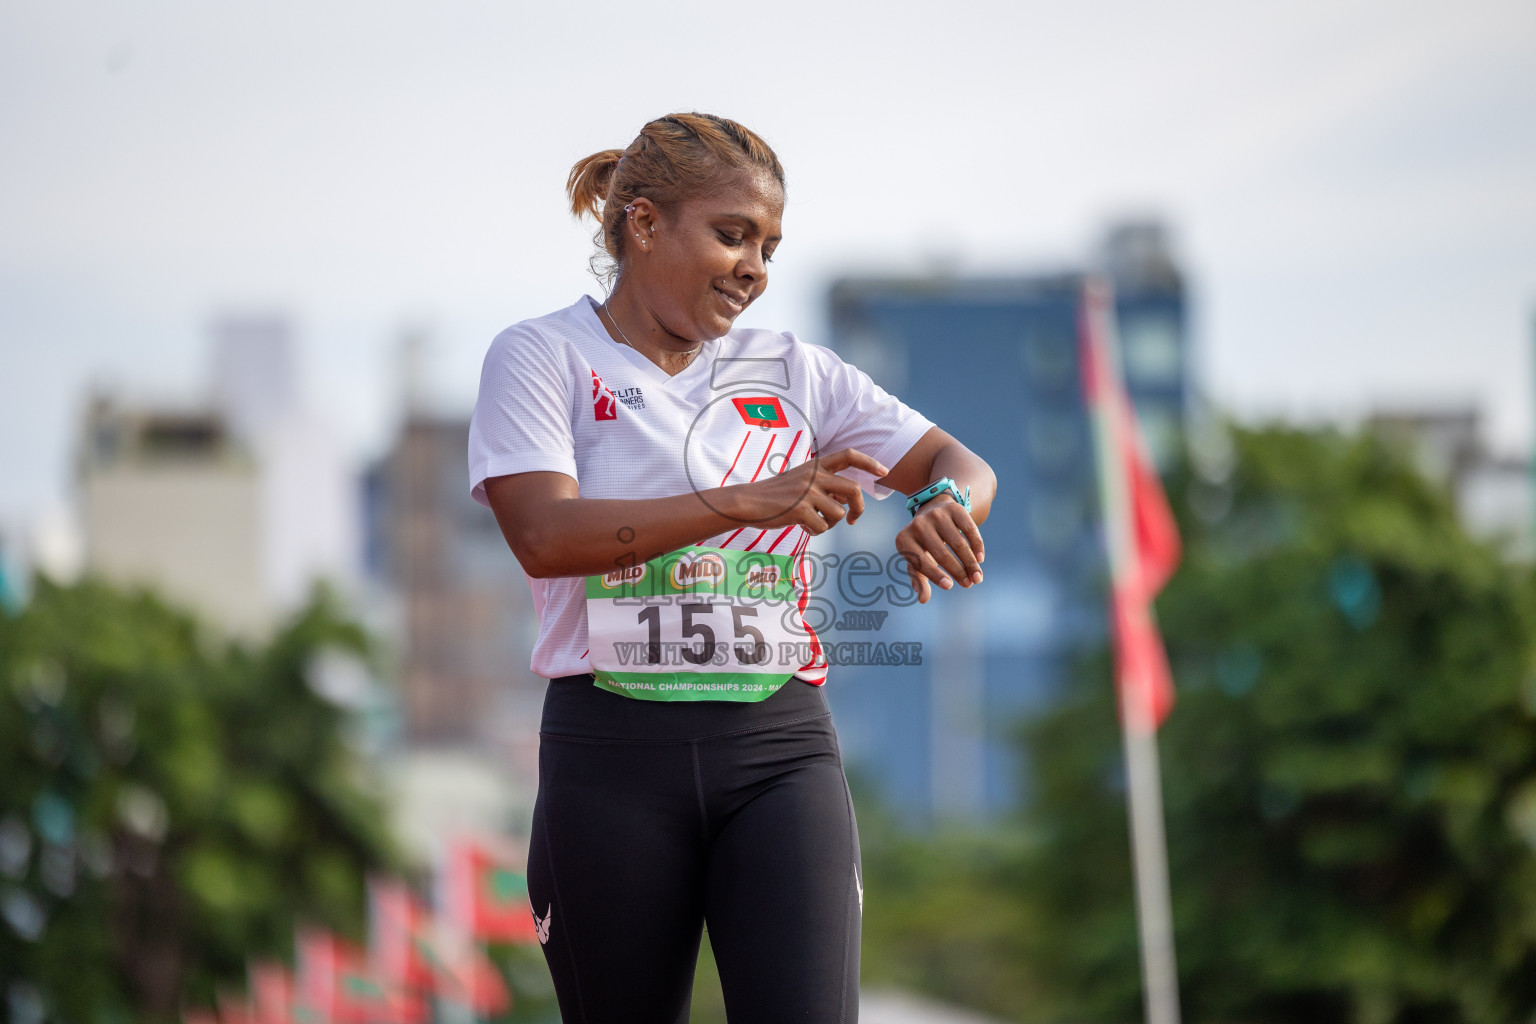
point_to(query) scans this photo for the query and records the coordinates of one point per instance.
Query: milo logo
(626, 577)
(707, 569)
(763, 577)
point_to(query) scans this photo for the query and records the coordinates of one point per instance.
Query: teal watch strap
(935, 489)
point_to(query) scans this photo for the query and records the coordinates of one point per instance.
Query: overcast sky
(1352, 185)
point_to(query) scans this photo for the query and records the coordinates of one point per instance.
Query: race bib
(697, 624)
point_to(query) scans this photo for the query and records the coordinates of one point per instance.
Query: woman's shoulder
(545, 335)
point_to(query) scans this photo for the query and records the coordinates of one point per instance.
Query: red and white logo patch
(604, 405)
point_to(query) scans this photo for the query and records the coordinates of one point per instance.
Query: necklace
(625, 338)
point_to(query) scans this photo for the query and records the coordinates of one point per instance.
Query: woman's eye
(729, 239)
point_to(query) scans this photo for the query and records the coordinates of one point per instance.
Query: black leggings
(654, 818)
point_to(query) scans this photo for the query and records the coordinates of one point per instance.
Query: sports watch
(933, 490)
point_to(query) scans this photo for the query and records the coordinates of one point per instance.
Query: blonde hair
(673, 158)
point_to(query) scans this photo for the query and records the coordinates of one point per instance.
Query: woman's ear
(641, 220)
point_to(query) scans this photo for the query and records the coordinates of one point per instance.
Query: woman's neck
(630, 321)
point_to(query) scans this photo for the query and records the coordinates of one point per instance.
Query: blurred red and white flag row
(412, 955)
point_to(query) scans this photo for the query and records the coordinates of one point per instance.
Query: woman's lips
(737, 304)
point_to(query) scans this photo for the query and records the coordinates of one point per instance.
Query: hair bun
(589, 182)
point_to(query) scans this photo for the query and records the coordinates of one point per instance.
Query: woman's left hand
(942, 546)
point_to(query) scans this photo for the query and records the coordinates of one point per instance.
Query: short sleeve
(522, 417)
(858, 413)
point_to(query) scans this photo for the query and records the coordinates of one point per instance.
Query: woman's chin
(709, 328)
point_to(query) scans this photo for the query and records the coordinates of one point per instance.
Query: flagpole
(447, 934)
(1154, 907)
(1115, 430)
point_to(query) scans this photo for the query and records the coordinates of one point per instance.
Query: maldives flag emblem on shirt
(761, 412)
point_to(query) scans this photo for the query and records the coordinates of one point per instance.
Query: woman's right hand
(811, 495)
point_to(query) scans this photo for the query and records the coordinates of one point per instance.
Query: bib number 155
(697, 625)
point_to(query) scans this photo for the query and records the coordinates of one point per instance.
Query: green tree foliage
(952, 916)
(1349, 774)
(170, 805)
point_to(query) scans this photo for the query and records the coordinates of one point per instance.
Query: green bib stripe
(678, 686)
(701, 572)
(695, 624)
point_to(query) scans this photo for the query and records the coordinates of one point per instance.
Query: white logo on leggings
(542, 926)
(860, 884)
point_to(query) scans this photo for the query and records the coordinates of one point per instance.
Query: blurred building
(1494, 494)
(234, 506)
(994, 361)
(463, 621)
(170, 500)
(309, 501)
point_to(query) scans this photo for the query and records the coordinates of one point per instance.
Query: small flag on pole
(336, 986)
(468, 977)
(399, 939)
(487, 892)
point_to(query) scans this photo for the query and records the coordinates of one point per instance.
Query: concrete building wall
(189, 529)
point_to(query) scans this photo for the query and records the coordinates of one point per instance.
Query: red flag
(272, 994)
(399, 943)
(410, 950)
(1142, 537)
(466, 975)
(487, 893)
(335, 986)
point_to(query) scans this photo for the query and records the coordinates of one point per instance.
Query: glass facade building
(994, 362)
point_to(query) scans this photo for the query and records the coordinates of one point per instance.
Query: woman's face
(706, 259)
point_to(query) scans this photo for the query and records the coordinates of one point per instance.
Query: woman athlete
(658, 475)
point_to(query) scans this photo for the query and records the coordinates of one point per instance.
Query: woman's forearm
(967, 469)
(554, 531)
(586, 536)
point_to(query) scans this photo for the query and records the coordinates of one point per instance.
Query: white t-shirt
(557, 394)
